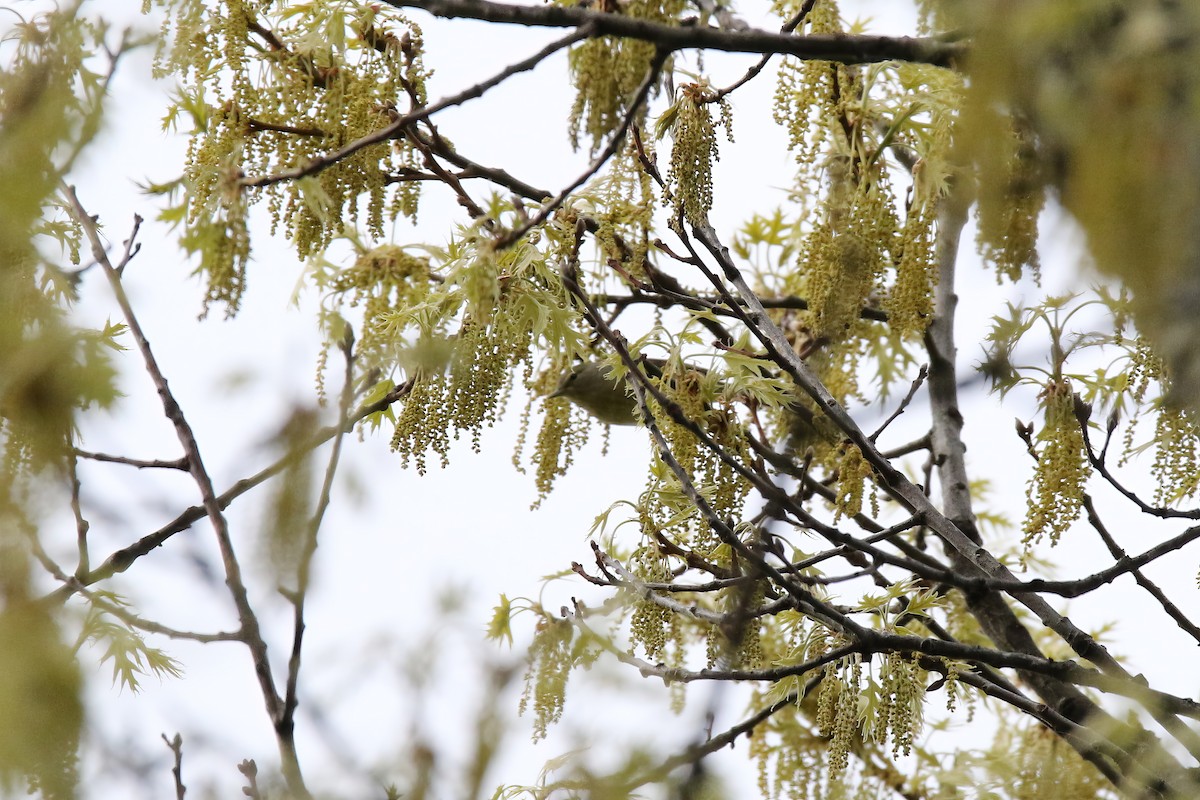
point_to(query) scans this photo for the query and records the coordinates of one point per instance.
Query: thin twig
(1098, 463)
(83, 563)
(753, 72)
(176, 746)
(250, 632)
(150, 626)
(922, 373)
(1173, 611)
(254, 125)
(178, 463)
(123, 559)
(304, 568)
(473, 169)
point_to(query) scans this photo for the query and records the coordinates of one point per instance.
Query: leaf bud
(1082, 408)
(1114, 417)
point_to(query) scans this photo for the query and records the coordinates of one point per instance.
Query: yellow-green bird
(590, 386)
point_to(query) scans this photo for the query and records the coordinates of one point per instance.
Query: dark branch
(843, 49)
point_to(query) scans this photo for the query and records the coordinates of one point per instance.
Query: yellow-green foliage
(845, 125)
(461, 323)
(607, 71)
(1099, 84)
(919, 107)
(665, 506)
(832, 742)
(1011, 195)
(550, 665)
(651, 626)
(840, 265)
(1056, 489)
(624, 211)
(809, 91)
(853, 473)
(49, 95)
(848, 128)
(270, 86)
(1039, 764)
(557, 649)
(298, 81)
(1176, 438)
(793, 767)
(52, 89)
(1176, 468)
(560, 436)
(40, 700)
(1113, 89)
(468, 396)
(837, 711)
(693, 151)
(382, 281)
(897, 702)
(847, 254)
(1134, 387)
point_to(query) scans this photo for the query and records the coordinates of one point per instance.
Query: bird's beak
(560, 390)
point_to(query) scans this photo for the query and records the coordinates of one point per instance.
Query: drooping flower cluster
(1056, 489)
(297, 83)
(693, 152)
(607, 71)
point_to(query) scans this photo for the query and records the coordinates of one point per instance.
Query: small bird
(590, 386)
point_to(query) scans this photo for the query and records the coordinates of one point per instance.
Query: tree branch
(123, 559)
(843, 49)
(304, 568)
(250, 632)
(394, 129)
(970, 557)
(614, 142)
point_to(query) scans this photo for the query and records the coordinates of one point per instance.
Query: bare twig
(304, 568)
(472, 169)
(250, 632)
(176, 746)
(178, 463)
(83, 563)
(258, 125)
(908, 398)
(150, 626)
(753, 72)
(129, 618)
(1099, 464)
(1123, 560)
(123, 559)
(249, 771)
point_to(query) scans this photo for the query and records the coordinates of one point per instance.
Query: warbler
(590, 386)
